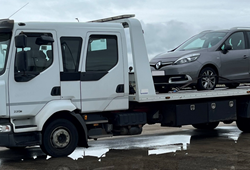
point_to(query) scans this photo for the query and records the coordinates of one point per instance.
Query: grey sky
(166, 23)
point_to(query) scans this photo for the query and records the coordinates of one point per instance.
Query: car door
(235, 63)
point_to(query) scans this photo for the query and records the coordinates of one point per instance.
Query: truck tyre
(206, 126)
(243, 124)
(207, 79)
(59, 138)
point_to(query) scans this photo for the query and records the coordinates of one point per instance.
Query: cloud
(162, 37)
(166, 23)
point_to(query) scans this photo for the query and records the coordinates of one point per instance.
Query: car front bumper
(176, 74)
(160, 77)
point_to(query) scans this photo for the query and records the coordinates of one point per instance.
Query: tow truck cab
(59, 77)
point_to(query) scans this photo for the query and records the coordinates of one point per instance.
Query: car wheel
(207, 79)
(232, 85)
(59, 138)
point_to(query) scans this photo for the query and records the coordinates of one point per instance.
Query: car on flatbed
(205, 60)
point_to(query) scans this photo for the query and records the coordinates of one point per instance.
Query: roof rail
(205, 31)
(114, 18)
(235, 28)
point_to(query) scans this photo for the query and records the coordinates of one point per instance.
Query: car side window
(237, 41)
(34, 58)
(102, 54)
(248, 35)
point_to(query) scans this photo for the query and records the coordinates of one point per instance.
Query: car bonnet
(171, 56)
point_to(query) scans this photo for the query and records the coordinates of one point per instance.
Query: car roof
(233, 29)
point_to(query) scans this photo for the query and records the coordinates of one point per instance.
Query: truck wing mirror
(44, 40)
(21, 61)
(21, 41)
(226, 48)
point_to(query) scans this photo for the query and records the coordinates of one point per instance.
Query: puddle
(183, 141)
(158, 145)
(233, 133)
(155, 145)
(93, 151)
(102, 150)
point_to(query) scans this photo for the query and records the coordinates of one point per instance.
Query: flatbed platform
(193, 94)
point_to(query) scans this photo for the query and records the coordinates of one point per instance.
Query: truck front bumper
(10, 139)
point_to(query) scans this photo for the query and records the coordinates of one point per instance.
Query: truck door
(71, 48)
(102, 77)
(38, 81)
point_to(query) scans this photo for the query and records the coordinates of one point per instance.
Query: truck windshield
(4, 48)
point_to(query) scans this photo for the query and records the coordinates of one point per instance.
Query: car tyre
(207, 79)
(59, 138)
(232, 85)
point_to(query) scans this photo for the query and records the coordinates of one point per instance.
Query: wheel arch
(62, 109)
(212, 66)
(74, 118)
(207, 83)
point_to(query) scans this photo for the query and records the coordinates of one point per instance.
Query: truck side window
(38, 57)
(102, 54)
(71, 50)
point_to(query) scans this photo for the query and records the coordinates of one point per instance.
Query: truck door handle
(245, 57)
(56, 91)
(120, 88)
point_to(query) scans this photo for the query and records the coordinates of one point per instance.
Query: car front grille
(163, 64)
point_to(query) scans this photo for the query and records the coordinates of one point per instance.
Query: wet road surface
(157, 148)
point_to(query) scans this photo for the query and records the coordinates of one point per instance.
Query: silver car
(205, 60)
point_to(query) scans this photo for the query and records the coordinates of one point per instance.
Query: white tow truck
(62, 84)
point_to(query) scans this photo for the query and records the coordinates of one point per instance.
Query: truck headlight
(5, 128)
(187, 58)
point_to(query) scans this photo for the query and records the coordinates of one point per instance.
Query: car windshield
(202, 41)
(4, 48)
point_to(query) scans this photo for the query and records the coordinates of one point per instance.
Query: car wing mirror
(227, 47)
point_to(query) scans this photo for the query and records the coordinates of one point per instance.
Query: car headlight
(187, 58)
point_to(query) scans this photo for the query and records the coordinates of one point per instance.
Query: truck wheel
(243, 124)
(59, 138)
(207, 79)
(206, 126)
